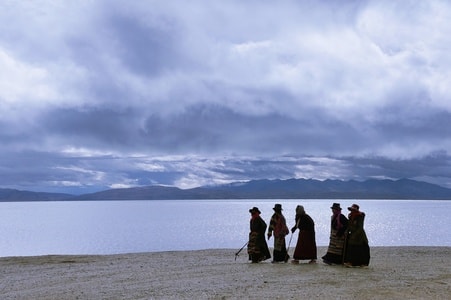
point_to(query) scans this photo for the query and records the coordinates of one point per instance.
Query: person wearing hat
(257, 248)
(306, 244)
(357, 250)
(338, 225)
(278, 225)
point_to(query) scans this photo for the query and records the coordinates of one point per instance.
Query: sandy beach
(394, 273)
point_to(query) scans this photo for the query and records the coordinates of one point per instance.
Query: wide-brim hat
(277, 207)
(354, 207)
(336, 206)
(254, 209)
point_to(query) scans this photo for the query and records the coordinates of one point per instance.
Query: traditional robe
(357, 250)
(257, 248)
(306, 244)
(338, 226)
(278, 224)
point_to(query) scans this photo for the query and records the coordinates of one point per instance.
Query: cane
(288, 249)
(289, 243)
(238, 252)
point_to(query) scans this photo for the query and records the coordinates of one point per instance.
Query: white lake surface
(110, 227)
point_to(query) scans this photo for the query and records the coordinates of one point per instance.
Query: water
(110, 227)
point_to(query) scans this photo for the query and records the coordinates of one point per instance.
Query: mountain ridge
(256, 189)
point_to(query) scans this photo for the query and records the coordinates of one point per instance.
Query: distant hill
(258, 189)
(7, 195)
(284, 189)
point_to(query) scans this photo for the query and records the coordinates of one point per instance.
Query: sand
(394, 273)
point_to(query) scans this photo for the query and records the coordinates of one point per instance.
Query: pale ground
(394, 273)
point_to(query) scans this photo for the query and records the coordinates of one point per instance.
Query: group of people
(348, 244)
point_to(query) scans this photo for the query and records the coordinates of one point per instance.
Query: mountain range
(256, 189)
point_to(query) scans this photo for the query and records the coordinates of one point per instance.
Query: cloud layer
(111, 93)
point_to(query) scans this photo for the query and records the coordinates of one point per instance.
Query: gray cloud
(113, 93)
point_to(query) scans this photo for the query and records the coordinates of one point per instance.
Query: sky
(100, 94)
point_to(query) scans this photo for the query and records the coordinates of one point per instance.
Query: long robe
(278, 224)
(257, 248)
(334, 253)
(306, 244)
(357, 250)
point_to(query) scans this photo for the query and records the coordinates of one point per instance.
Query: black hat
(354, 207)
(254, 209)
(277, 207)
(336, 206)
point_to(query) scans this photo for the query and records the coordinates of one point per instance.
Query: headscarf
(300, 210)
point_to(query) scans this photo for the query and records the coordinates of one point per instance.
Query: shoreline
(404, 272)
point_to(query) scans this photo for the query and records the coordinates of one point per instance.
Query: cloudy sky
(105, 94)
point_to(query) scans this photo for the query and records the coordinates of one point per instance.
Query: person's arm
(272, 225)
(296, 225)
(344, 225)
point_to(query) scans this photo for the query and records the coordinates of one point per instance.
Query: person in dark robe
(357, 250)
(338, 226)
(306, 244)
(257, 248)
(278, 225)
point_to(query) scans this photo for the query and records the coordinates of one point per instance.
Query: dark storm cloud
(119, 93)
(91, 127)
(432, 168)
(197, 129)
(149, 50)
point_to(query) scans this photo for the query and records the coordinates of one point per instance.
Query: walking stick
(289, 243)
(238, 252)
